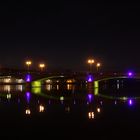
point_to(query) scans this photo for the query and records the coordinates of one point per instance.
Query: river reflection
(38, 99)
(9, 88)
(52, 106)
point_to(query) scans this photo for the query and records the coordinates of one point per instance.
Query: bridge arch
(96, 82)
(37, 83)
(111, 78)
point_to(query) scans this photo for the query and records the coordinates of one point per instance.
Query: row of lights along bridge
(91, 62)
(29, 63)
(42, 65)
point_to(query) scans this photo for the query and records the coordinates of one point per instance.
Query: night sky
(64, 34)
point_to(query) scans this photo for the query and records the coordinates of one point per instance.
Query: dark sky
(66, 33)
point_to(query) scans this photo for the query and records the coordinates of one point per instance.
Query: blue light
(90, 97)
(28, 78)
(28, 96)
(130, 102)
(130, 74)
(90, 78)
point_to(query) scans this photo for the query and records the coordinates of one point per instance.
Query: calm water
(68, 111)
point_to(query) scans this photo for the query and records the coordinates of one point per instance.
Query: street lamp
(28, 63)
(41, 66)
(98, 65)
(90, 62)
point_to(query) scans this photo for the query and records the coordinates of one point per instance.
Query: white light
(48, 81)
(7, 80)
(61, 98)
(8, 96)
(91, 115)
(41, 108)
(27, 112)
(98, 110)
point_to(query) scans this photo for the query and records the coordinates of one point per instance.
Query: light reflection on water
(9, 88)
(64, 106)
(50, 87)
(41, 100)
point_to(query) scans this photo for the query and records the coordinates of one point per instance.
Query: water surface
(70, 111)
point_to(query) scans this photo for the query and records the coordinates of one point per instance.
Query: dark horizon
(65, 34)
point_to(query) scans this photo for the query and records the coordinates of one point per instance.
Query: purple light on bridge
(130, 102)
(28, 78)
(90, 78)
(130, 74)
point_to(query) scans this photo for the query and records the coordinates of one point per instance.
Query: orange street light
(28, 63)
(90, 62)
(41, 66)
(98, 65)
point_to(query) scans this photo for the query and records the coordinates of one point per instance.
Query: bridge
(39, 82)
(118, 83)
(82, 78)
(67, 78)
(96, 82)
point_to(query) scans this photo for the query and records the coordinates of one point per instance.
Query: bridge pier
(28, 85)
(90, 86)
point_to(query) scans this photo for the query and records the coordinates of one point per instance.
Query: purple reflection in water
(90, 97)
(18, 100)
(28, 96)
(130, 102)
(49, 102)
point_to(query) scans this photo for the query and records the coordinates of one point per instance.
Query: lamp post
(28, 63)
(98, 65)
(41, 66)
(90, 62)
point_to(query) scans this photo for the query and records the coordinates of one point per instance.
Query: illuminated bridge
(98, 79)
(127, 85)
(53, 80)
